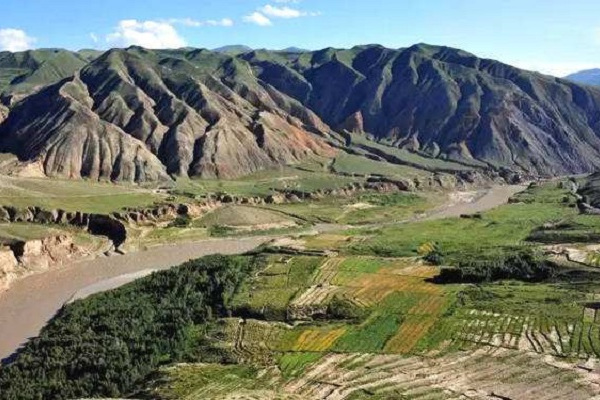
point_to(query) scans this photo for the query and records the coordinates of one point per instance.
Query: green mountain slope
(25, 72)
(139, 115)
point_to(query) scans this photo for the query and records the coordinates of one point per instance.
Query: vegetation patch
(208, 381)
(268, 294)
(295, 364)
(523, 265)
(73, 195)
(318, 339)
(499, 229)
(103, 345)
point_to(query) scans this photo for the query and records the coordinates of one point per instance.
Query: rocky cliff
(22, 258)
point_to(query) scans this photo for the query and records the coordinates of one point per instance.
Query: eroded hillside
(148, 115)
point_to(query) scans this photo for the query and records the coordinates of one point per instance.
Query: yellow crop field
(317, 339)
(373, 288)
(420, 319)
(409, 334)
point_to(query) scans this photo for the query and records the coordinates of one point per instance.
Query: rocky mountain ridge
(150, 115)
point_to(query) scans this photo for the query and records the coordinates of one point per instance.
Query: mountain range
(144, 115)
(587, 77)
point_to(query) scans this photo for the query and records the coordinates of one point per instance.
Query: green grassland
(505, 227)
(410, 158)
(73, 195)
(22, 231)
(363, 208)
(318, 174)
(353, 164)
(306, 177)
(243, 216)
(25, 232)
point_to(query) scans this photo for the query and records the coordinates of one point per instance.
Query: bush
(339, 308)
(220, 231)
(524, 266)
(182, 221)
(432, 253)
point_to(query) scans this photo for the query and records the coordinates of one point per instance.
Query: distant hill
(233, 49)
(137, 114)
(24, 72)
(588, 77)
(294, 50)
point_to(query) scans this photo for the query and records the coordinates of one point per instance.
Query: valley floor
(32, 301)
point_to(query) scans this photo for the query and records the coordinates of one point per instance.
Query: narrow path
(31, 302)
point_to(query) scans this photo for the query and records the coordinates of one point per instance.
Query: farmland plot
(419, 320)
(574, 338)
(252, 341)
(485, 373)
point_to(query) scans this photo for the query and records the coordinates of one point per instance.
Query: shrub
(220, 230)
(182, 221)
(339, 308)
(431, 253)
(524, 266)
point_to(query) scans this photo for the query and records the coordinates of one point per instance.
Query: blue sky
(551, 36)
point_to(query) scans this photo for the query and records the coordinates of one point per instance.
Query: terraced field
(483, 374)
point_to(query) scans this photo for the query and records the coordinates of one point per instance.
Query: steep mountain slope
(587, 77)
(25, 72)
(447, 103)
(139, 115)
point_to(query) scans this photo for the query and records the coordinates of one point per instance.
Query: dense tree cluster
(104, 345)
(523, 265)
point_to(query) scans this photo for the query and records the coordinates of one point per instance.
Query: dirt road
(31, 302)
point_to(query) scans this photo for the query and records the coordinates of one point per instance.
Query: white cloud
(149, 34)
(94, 37)
(282, 12)
(227, 22)
(287, 1)
(15, 40)
(559, 69)
(223, 22)
(258, 19)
